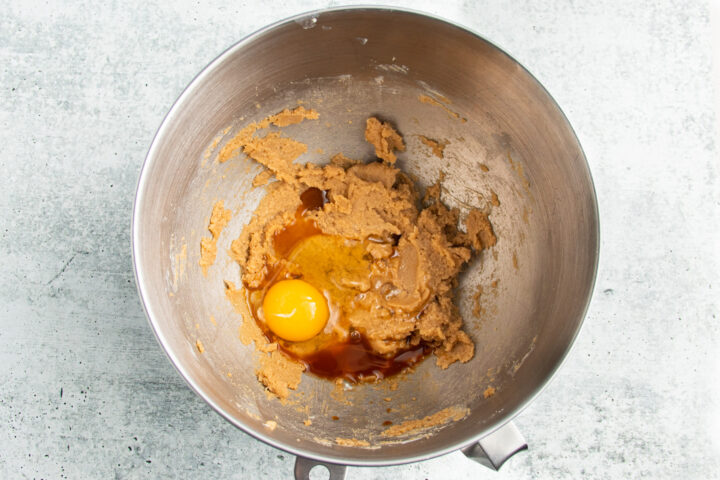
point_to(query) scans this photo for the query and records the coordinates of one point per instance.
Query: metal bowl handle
(494, 449)
(304, 465)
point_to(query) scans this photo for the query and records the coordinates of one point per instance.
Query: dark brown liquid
(352, 359)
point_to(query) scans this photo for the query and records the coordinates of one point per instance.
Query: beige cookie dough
(219, 219)
(413, 248)
(384, 138)
(436, 419)
(437, 146)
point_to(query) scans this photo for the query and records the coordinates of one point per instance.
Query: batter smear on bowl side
(346, 271)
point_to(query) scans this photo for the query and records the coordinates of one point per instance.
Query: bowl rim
(142, 283)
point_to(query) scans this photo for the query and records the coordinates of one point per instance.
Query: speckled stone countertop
(85, 390)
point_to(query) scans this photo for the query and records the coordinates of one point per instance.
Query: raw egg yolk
(294, 310)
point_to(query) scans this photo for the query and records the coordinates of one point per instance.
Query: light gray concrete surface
(86, 392)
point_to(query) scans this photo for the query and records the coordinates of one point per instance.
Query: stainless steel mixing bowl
(506, 135)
